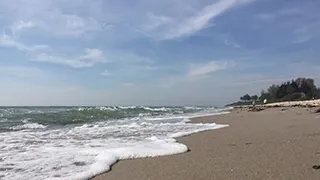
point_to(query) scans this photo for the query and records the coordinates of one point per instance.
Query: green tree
(307, 87)
(247, 97)
(254, 97)
(264, 95)
(318, 93)
(295, 86)
(298, 89)
(281, 92)
(272, 90)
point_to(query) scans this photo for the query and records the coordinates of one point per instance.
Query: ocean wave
(127, 107)
(28, 126)
(156, 109)
(82, 115)
(37, 151)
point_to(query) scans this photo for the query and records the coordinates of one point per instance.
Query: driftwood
(255, 109)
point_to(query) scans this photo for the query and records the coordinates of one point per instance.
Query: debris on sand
(317, 166)
(255, 109)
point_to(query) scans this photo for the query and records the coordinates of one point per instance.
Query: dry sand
(310, 103)
(275, 144)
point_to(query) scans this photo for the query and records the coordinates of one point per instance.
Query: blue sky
(150, 52)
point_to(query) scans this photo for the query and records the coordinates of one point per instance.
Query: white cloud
(271, 16)
(9, 41)
(178, 28)
(204, 69)
(266, 16)
(106, 73)
(20, 25)
(72, 25)
(128, 58)
(156, 21)
(307, 32)
(302, 29)
(77, 18)
(92, 53)
(144, 67)
(55, 17)
(231, 43)
(90, 58)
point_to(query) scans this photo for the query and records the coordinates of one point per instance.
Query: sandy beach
(276, 143)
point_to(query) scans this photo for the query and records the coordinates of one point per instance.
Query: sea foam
(150, 147)
(80, 152)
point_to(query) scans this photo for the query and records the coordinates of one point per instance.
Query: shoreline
(308, 103)
(271, 144)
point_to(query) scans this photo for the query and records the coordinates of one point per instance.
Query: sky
(151, 52)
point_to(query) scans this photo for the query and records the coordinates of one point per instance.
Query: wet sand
(273, 144)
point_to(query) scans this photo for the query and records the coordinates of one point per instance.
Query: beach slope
(275, 144)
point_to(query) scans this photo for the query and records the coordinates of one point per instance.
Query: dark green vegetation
(294, 90)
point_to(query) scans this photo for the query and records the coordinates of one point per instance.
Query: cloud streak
(302, 23)
(90, 58)
(21, 25)
(169, 28)
(9, 41)
(205, 69)
(106, 73)
(51, 16)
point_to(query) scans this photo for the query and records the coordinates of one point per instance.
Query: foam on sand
(105, 159)
(78, 152)
(150, 147)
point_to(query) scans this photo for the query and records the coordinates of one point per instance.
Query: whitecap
(28, 126)
(83, 151)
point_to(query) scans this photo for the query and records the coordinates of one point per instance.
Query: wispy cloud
(155, 21)
(88, 59)
(144, 67)
(9, 41)
(106, 73)
(272, 16)
(21, 25)
(232, 43)
(51, 16)
(73, 25)
(307, 32)
(301, 23)
(91, 53)
(169, 28)
(205, 69)
(317, 68)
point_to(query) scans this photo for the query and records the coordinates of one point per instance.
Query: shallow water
(80, 142)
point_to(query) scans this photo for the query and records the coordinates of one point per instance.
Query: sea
(78, 143)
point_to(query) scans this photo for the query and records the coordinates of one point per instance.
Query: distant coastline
(298, 90)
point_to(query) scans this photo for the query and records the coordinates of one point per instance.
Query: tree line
(294, 90)
(298, 89)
